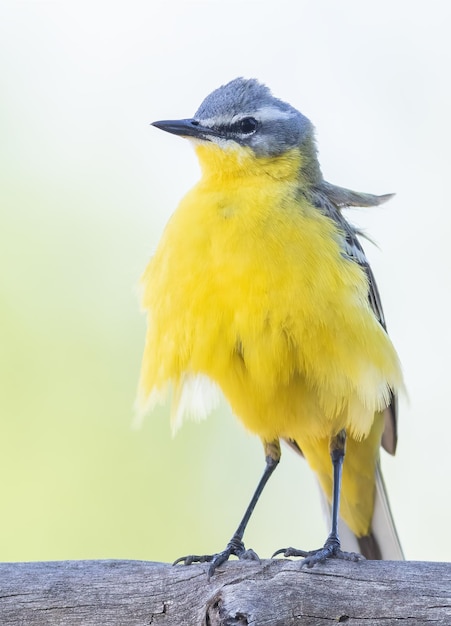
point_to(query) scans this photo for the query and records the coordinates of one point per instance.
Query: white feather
(195, 398)
(384, 528)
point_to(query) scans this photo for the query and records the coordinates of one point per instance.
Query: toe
(250, 555)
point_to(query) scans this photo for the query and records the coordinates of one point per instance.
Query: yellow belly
(249, 287)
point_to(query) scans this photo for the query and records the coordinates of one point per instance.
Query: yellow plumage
(249, 288)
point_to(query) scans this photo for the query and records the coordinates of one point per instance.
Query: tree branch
(273, 593)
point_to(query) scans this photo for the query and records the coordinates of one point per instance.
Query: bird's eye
(248, 125)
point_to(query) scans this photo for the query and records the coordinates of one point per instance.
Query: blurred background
(86, 188)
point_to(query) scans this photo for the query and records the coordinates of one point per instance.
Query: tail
(382, 542)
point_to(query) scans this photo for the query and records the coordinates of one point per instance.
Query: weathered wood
(273, 593)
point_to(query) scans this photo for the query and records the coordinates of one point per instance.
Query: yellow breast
(249, 287)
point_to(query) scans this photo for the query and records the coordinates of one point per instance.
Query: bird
(260, 292)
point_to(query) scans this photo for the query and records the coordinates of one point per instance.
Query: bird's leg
(236, 546)
(332, 548)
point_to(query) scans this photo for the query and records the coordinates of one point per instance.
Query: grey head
(245, 112)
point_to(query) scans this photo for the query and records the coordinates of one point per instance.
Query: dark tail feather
(383, 541)
(369, 547)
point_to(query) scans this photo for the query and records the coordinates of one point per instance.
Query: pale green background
(86, 188)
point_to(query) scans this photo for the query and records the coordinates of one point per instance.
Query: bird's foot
(235, 547)
(330, 550)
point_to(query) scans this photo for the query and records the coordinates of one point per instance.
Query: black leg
(337, 454)
(332, 547)
(236, 546)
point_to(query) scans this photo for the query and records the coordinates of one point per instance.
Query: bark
(273, 593)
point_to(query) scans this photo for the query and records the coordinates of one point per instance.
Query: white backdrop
(82, 81)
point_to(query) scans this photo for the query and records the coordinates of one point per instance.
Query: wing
(330, 199)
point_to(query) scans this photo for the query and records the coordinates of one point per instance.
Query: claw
(235, 547)
(330, 550)
(287, 552)
(319, 556)
(194, 558)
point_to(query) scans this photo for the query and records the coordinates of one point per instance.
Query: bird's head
(243, 114)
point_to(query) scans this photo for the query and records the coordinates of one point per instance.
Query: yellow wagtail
(260, 289)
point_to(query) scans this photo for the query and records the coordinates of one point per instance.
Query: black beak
(186, 128)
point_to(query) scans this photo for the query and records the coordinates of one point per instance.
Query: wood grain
(273, 593)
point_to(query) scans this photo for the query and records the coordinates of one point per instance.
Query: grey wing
(330, 200)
